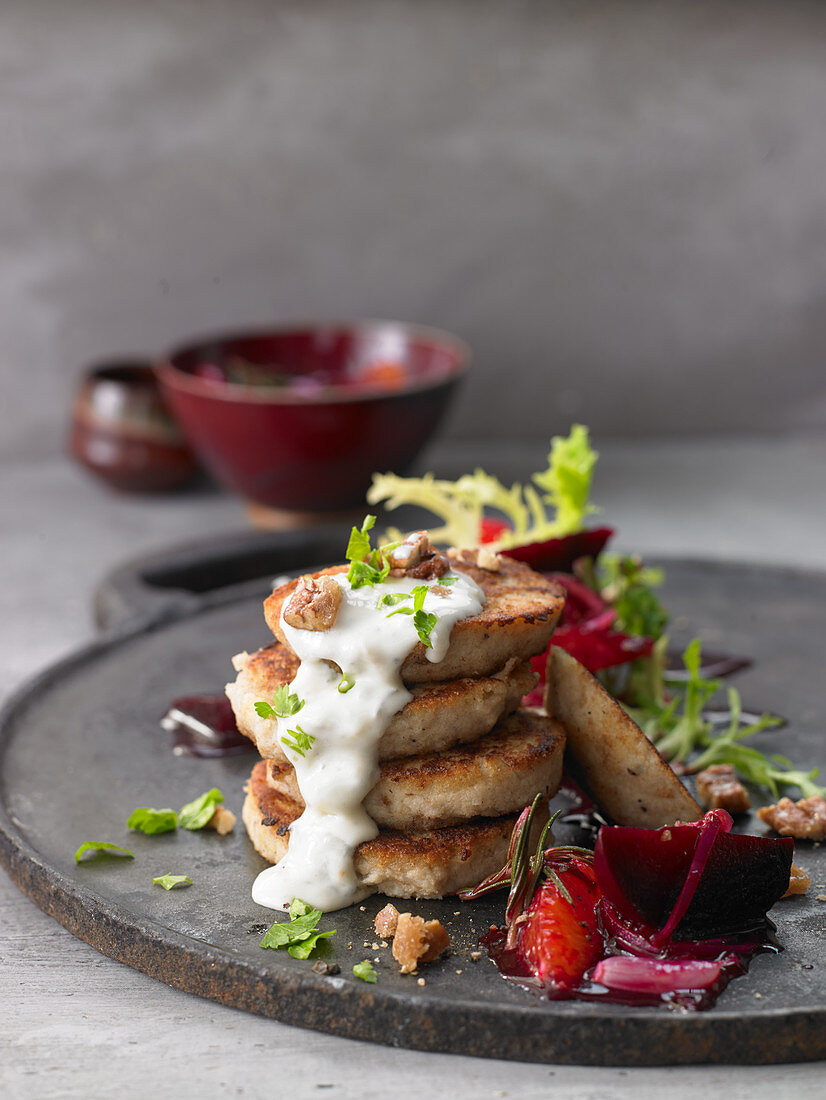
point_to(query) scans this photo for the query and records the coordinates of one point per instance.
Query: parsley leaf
(284, 705)
(418, 595)
(299, 934)
(358, 548)
(172, 882)
(367, 567)
(152, 822)
(100, 847)
(196, 814)
(298, 740)
(366, 971)
(424, 621)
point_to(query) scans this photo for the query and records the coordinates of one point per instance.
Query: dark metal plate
(81, 747)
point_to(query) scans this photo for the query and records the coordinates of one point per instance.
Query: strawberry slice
(558, 937)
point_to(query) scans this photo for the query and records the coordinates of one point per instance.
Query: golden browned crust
(414, 864)
(521, 610)
(438, 716)
(609, 753)
(499, 774)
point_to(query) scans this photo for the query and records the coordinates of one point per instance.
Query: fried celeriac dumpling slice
(499, 774)
(438, 716)
(608, 751)
(519, 616)
(427, 864)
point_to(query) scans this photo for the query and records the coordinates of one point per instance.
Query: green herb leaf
(418, 595)
(300, 934)
(195, 814)
(390, 599)
(346, 683)
(298, 740)
(424, 621)
(365, 971)
(100, 847)
(172, 882)
(367, 567)
(358, 548)
(629, 587)
(284, 704)
(305, 948)
(152, 822)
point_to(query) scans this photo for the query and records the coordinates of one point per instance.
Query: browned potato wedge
(617, 763)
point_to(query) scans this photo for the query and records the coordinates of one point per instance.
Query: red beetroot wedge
(694, 881)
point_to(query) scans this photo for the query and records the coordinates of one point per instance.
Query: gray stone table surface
(73, 1023)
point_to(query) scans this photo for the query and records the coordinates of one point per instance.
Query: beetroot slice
(643, 873)
(560, 554)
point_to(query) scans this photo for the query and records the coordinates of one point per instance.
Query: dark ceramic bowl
(123, 432)
(299, 419)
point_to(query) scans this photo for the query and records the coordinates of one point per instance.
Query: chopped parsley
(284, 704)
(95, 848)
(365, 971)
(299, 934)
(418, 595)
(298, 740)
(390, 599)
(346, 683)
(152, 822)
(424, 621)
(196, 814)
(172, 882)
(367, 567)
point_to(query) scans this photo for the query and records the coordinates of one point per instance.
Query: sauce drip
(204, 725)
(368, 643)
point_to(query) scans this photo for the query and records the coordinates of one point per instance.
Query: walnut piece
(799, 881)
(415, 557)
(222, 821)
(417, 940)
(489, 560)
(804, 820)
(386, 922)
(314, 604)
(718, 788)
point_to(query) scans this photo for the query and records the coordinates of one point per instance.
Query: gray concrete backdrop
(622, 206)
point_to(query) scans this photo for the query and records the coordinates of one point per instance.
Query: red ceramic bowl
(301, 418)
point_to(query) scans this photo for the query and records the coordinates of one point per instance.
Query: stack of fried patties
(458, 762)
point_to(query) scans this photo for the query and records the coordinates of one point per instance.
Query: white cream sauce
(368, 644)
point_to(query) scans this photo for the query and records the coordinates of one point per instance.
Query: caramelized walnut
(489, 560)
(804, 820)
(799, 881)
(417, 940)
(314, 604)
(415, 557)
(222, 821)
(718, 788)
(386, 921)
